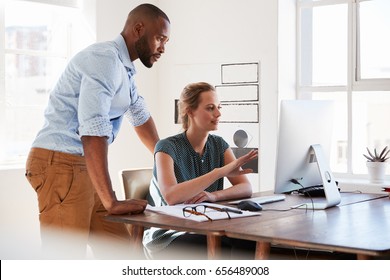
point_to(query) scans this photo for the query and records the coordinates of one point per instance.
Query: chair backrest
(136, 182)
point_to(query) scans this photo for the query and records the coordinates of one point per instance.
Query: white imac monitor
(304, 141)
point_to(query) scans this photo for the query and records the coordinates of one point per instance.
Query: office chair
(136, 183)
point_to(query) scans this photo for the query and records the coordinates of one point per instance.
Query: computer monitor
(304, 142)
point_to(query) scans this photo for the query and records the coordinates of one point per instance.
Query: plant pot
(376, 171)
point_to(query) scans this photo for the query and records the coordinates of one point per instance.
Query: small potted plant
(377, 164)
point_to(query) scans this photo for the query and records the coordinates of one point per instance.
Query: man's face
(152, 44)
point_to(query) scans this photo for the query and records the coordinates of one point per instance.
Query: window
(373, 41)
(343, 56)
(39, 38)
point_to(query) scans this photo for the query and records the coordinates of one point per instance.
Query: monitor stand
(332, 193)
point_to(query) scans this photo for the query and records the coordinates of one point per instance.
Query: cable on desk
(356, 191)
(278, 210)
(288, 209)
(296, 182)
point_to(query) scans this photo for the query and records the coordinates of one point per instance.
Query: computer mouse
(249, 206)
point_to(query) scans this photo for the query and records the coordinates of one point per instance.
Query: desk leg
(213, 247)
(137, 234)
(262, 250)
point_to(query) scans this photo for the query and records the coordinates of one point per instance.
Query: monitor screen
(302, 123)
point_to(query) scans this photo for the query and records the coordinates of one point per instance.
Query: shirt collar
(206, 147)
(124, 54)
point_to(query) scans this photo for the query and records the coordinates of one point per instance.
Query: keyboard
(313, 191)
(262, 199)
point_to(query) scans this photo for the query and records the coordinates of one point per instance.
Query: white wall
(286, 49)
(203, 31)
(224, 31)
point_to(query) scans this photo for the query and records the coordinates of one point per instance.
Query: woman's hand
(234, 168)
(202, 196)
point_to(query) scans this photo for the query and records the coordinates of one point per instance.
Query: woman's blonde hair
(189, 100)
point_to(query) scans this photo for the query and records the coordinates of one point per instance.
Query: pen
(232, 210)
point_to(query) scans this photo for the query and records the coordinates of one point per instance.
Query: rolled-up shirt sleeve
(138, 113)
(97, 126)
(96, 94)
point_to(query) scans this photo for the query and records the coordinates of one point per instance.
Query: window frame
(354, 82)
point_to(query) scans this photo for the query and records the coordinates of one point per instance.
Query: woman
(190, 168)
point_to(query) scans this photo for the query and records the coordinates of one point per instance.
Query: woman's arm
(241, 187)
(175, 193)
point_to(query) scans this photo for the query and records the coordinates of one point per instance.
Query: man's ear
(138, 29)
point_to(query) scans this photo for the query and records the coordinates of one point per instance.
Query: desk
(361, 228)
(359, 225)
(213, 230)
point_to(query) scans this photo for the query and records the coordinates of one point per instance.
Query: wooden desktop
(360, 225)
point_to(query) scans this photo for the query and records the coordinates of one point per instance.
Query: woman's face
(206, 116)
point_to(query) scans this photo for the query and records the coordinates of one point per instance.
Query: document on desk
(202, 212)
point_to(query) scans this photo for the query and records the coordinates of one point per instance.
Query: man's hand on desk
(128, 206)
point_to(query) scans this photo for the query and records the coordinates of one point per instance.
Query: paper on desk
(177, 211)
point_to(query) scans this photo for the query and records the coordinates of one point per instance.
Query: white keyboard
(262, 199)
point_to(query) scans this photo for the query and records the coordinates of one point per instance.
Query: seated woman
(190, 168)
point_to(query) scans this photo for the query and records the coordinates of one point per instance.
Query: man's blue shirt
(95, 91)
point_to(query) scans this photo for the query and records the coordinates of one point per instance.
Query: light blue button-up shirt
(91, 97)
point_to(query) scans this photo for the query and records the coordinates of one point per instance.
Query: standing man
(67, 165)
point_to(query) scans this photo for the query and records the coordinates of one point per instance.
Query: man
(67, 165)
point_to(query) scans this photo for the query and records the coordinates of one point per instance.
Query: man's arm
(147, 133)
(96, 151)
